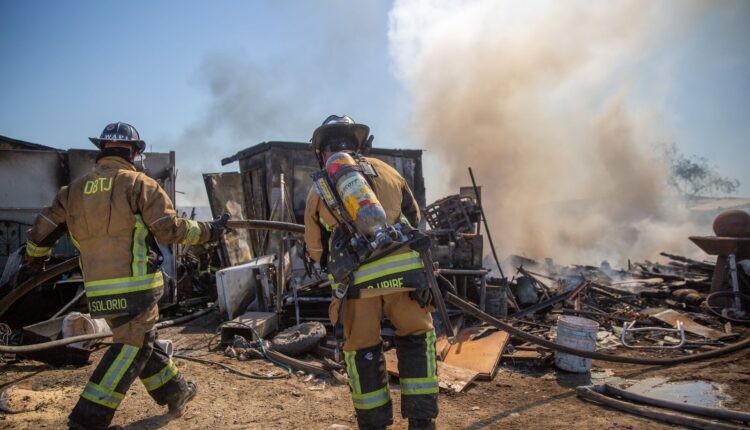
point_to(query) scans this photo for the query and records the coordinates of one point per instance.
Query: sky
(208, 79)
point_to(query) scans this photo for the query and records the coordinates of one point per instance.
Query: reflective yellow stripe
(351, 370)
(388, 266)
(36, 251)
(430, 340)
(193, 234)
(140, 250)
(417, 386)
(99, 395)
(108, 287)
(160, 378)
(372, 399)
(325, 225)
(118, 367)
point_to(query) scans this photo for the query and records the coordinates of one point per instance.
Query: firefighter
(114, 216)
(394, 285)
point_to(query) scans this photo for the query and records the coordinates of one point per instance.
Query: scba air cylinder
(358, 198)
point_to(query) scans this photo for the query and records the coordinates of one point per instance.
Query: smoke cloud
(550, 105)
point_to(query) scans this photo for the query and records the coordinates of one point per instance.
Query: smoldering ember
(651, 343)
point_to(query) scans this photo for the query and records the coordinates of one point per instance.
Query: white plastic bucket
(579, 333)
(78, 324)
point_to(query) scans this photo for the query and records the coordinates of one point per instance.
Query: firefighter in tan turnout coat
(114, 214)
(384, 286)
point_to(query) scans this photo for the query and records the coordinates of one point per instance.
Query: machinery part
(627, 327)
(437, 296)
(735, 284)
(256, 224)
(119, 132)
(456, 213)
(721, 311)
(591, 394)
(31, 283)
(716, 413)
(485, 317)
(358, 198)
(299, 339)
(732, 223)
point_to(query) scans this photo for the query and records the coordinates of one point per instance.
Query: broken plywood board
(671, 317)
(450, 378)
(476, 349)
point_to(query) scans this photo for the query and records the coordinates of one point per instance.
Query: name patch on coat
(101, 184)
(108, 305)
(388, 283)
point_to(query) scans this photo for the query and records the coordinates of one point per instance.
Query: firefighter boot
(177, 407)
(428, 424)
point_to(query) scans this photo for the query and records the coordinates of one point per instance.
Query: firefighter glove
(218, 226)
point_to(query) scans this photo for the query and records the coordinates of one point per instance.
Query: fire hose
(472, 310)
(94, 336)
(255, 224)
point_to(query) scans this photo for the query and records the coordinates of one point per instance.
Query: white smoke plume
(550, 105)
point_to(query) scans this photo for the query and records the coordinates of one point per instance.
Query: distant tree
(693, 177)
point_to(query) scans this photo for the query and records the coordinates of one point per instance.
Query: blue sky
(234, 73)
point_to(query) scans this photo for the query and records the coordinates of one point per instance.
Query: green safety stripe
(75, 242)
(388, 266)
(430, 355)
(108, 287)
(372, 399)
(351, 370)
(140, 250)
(36, 251)
(160, 378)
(325, 225)
(119, 367)
(416, 386)
(98, 395)
(193, 234)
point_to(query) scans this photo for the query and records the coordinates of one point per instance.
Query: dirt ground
(515, 399)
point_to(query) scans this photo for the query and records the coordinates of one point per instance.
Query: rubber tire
(299, 339)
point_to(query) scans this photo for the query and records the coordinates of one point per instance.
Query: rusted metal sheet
(225, 194)
(672, 317)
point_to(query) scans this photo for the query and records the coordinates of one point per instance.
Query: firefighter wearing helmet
(115, 215)
(383, 286)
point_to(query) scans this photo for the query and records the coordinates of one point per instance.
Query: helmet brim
(360, 132)
(139, 144)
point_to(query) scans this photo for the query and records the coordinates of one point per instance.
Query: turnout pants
(132, 355)
(365, 362)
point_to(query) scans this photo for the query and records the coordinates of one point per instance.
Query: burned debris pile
(271, 303)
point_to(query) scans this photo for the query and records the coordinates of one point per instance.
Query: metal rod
(484, 220)
(437, 296)
(467, 272)
(735, 283)
(77, 297)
